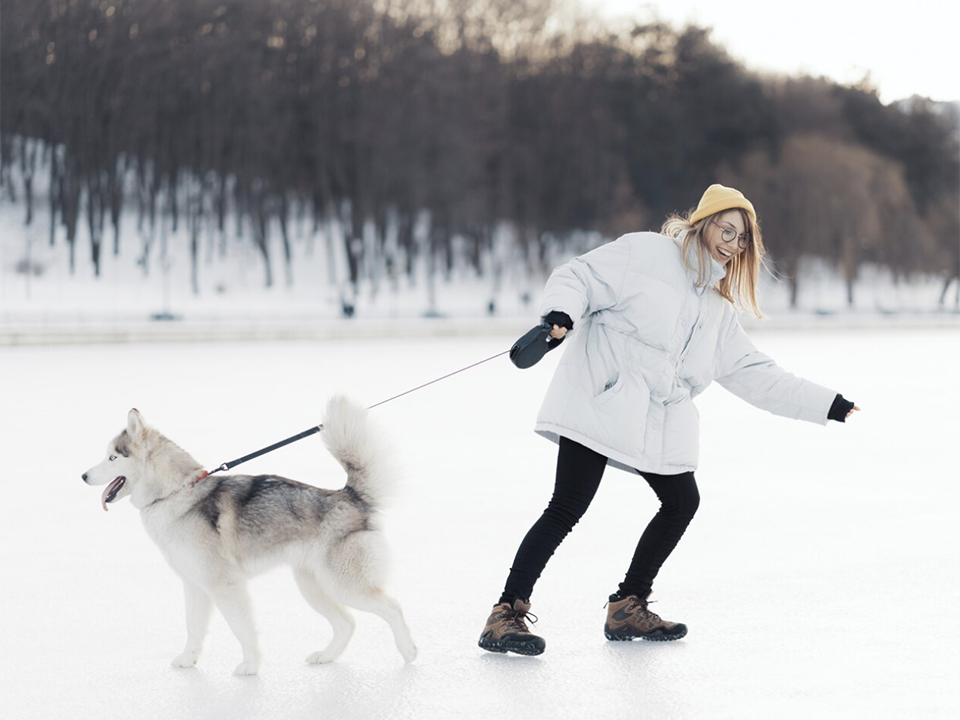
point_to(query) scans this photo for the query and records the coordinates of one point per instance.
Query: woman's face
(729, 224)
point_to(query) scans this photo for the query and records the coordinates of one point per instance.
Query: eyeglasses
(728, 234)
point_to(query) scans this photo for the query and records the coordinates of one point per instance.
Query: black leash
(317, 428)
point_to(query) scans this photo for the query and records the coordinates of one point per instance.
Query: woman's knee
(688, 496)
(679, 496)
(689, 505)
(566, 510)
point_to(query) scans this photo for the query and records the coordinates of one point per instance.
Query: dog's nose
(84, 476)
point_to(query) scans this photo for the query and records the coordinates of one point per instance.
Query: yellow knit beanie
(718, 198)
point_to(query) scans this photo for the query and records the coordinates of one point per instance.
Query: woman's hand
(842, 409)
(561, 324)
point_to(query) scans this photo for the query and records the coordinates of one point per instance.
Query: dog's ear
(135, 423)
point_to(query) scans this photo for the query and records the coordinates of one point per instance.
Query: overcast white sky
(906, 48)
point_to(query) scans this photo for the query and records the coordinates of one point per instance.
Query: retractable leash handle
(532, 346)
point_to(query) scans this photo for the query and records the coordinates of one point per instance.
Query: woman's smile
(726, 236)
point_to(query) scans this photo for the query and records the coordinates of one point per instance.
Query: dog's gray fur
(219, 531)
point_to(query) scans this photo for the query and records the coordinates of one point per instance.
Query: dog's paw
(321, 657)
(184, 660)
(246, 668)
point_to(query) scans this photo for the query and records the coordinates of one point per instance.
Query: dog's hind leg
(198, 608)
(339, 618)
(233, 602)
(379, 603)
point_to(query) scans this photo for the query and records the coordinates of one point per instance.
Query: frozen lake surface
(819, 579)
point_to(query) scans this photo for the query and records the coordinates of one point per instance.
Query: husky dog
(217, 532)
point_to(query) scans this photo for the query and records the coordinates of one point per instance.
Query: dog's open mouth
(110, 494)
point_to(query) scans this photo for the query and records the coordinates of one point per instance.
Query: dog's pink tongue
(111, 490)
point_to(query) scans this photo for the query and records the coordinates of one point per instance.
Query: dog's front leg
(198, 608)
(233, 601)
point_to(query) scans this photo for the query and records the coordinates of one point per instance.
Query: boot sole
(535, 646)
(656, 636)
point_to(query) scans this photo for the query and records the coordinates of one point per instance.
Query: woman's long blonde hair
(739, 285)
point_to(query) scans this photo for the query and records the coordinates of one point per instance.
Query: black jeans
(579, 471)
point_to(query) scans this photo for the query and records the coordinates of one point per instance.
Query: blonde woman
(656, 318)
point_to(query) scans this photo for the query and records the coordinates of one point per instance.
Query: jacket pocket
(617, 417)
(611, 390)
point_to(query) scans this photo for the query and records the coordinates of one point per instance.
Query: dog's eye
(112, 458)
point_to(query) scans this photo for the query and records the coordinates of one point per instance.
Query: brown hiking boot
(630, 618)
(506, 630)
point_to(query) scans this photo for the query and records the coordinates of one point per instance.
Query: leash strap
(317, 428)
(264, 451)
(420, 387)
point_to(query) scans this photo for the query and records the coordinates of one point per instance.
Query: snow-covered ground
(819, 580)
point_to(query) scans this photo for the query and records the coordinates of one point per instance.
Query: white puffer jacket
(646, 341)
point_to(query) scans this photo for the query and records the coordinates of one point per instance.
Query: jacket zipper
(697, 325)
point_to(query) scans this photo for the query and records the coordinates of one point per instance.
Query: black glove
(558, 318)
(527, 351)
(840, 408)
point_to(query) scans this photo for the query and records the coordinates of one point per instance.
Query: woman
(656, 322)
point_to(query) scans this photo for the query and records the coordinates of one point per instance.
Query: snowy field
(819, 579)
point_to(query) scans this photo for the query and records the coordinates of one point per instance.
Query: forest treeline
(374, 114)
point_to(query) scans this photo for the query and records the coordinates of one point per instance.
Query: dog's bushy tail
(354, 440)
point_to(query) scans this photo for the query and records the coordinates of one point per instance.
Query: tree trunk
(943, 293)
(285, 237)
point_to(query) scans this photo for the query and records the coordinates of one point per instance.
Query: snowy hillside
(150, 281)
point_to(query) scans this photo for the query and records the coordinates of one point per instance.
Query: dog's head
(140, 462)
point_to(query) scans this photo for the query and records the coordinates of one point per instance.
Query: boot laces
(643, 605)
(518, 618)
